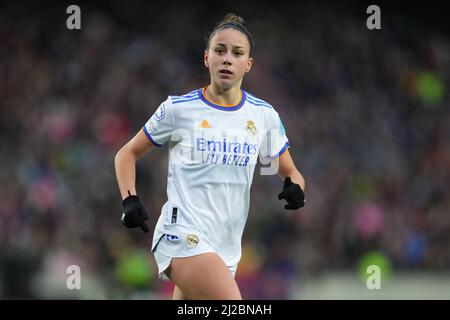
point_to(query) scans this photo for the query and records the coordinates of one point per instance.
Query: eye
(219, 50)
(238, 53)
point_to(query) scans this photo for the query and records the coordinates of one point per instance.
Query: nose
(227, 59)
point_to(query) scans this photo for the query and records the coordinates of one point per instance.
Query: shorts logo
(192, 240)
(160, 113)
(171, 237)
(251, 128)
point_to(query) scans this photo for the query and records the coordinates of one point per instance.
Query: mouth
(225, 71)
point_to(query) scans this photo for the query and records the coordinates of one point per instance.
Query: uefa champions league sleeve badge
(160, 113)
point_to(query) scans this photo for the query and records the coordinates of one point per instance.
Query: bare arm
(287, 168)
(125, 162)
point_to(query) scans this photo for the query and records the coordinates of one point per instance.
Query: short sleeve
(159, 128)
(274, 141)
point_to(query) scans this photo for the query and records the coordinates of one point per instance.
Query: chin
(226, 84)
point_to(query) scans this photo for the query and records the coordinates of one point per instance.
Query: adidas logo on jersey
(205, 124)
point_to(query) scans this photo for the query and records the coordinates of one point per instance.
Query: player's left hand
(134, 213)
(293, 194)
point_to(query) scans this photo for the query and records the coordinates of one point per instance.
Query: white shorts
(186, 245)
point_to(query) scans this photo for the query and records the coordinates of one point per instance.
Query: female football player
(215, 135)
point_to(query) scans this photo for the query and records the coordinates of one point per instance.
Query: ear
(205, 58)
(249, 64)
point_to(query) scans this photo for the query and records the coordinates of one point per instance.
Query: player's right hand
(134, 214)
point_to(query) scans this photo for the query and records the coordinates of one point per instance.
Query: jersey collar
(222, 107)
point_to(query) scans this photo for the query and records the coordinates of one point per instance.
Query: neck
(221, 96)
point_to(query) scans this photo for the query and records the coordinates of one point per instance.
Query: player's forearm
(125, 166)
(296, 177)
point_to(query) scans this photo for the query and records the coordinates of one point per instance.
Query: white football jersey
(213, 151)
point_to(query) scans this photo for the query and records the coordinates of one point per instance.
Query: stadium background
(367, 114)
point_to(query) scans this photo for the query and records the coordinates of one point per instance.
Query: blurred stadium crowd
(367, 114)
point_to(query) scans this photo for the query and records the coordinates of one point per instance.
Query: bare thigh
(202, 277)
(178, 294)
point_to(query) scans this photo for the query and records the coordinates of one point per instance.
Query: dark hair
(232, 21)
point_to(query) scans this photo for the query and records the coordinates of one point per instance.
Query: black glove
(293, 194)
(134, 213)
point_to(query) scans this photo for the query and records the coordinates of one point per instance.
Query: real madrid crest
(251, 128)
(192, 240)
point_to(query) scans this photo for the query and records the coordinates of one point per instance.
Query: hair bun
(232, 21)
(231, 17)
